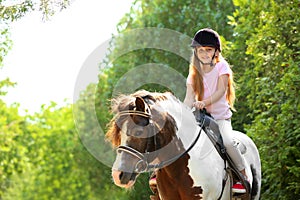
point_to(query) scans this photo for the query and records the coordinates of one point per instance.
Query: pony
(154, 131)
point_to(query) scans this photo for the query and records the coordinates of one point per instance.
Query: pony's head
(141, 127)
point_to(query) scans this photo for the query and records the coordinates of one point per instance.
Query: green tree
(266, 49)
(45, 167)
(11, 153)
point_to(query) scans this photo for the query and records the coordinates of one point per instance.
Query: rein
(167, 162)
(143, 164)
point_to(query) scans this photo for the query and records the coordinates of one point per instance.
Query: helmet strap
(212, 59)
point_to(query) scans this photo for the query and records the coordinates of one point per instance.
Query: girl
(210, 85)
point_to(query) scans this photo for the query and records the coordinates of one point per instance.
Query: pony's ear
(140, 104)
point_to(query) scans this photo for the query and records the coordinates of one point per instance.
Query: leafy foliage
(11, 154)
(42, 165)
(11, 11)
(269, 79)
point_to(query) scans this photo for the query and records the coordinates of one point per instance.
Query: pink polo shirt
(221, 108)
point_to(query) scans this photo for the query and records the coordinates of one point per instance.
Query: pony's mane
(127, 102)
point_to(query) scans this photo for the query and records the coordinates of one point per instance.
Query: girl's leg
(227, 135)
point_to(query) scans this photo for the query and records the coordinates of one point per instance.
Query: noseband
(142, 165)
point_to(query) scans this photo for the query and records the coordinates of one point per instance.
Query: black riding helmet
(207, 37)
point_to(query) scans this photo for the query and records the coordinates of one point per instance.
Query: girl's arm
(221, 90)
(189, 96)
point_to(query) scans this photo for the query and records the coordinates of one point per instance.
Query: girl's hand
(199, 104)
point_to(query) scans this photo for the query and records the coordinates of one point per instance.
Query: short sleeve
(223, 68)
(189, 80)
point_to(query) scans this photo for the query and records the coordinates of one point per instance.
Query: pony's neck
(188, 128)
(177, 173)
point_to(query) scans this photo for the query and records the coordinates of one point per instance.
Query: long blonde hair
(197, 77)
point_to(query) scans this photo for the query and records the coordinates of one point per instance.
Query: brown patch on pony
(174, 180)
(177, 176)
(166, 133)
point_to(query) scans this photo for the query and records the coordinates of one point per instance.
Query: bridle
(143, 158)
(143, 164)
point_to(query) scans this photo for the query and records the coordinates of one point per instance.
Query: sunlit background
(46, 55)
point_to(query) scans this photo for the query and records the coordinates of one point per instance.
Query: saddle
(211, 128)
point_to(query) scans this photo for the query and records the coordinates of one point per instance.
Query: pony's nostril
(120, 176)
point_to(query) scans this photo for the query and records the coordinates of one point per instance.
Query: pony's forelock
(113, 133)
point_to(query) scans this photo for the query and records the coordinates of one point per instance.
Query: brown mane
(126, 102)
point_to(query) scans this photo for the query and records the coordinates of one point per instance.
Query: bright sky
(47, 56)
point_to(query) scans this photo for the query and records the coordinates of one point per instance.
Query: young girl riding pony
(210, 86)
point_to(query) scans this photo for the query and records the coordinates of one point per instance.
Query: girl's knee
(228, 142)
